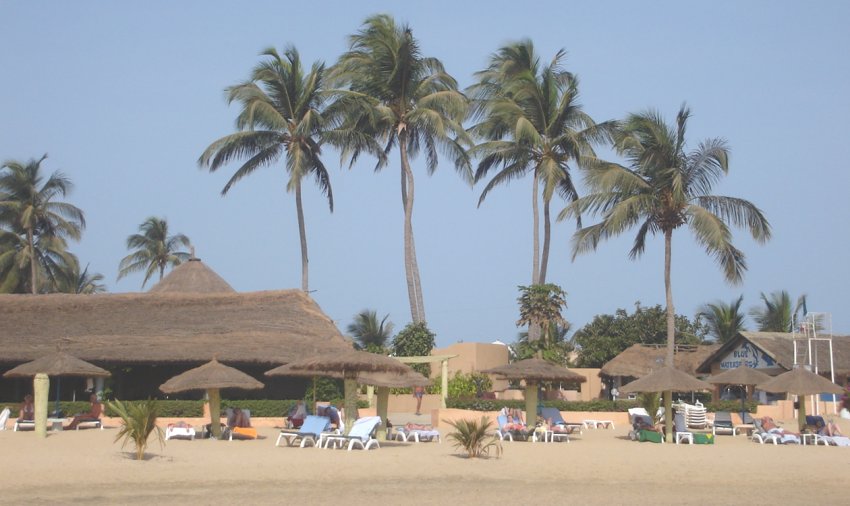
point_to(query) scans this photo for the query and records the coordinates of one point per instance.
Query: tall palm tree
(35, 225)
(71, 280)
(724, 321)
(153, 250)
(664, 188)
(282, 116)
(401, 98)
(369, 333)
(531, 122)
(779, 314)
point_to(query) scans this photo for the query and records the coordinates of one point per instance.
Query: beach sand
(600, 467)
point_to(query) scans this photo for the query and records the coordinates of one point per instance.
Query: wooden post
(40, 387)
(801, 414)
(444, 383)
(350, 402)
(370, 395)
(383, 404)
(668, 416)
(530, 405)
(215, 412)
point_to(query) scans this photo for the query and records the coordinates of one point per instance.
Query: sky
(124, 97)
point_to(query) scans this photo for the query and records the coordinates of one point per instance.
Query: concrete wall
(473, 357)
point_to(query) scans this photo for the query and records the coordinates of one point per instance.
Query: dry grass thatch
(742, 375)
(213, 374)
(666, 378)
(406, 379)
(639, 360)
(57, 364)
(273, 327)
(800, 381)
(347, 362)
(192, 276)
(780, 347)
(535, 369)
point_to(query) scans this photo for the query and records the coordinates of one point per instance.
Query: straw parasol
(350, 363)
(800, 381)
(665, 379)
(533, 371)
(212, 377)
(742, 375)
(56, 365)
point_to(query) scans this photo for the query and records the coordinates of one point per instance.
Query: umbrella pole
(58, 386)
(350, 402)
(530, 405)
(214, 395)
(668, 415)
(383, 401)
(41, 387)
(801, 413)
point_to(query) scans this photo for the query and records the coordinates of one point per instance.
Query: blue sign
(747, 354)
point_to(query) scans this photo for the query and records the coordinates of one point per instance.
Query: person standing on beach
(418, 392)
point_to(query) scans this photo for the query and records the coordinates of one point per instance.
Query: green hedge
(595, 405)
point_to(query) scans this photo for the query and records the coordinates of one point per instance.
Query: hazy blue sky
(125, 96)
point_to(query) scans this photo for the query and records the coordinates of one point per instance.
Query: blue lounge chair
(311, 431)
(554, 414)
(361, 434)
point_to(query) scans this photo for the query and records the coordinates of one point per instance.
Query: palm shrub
(650, 402)
(138, 422)
(473, 437)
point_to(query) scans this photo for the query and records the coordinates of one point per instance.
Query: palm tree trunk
(671, 330)
(302, 232)
(411, 267)
(534, 330)
(33, 270)
(547, 230)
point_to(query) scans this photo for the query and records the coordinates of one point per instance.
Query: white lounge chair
(763, 436)
(682, 433)
(417, 435)
(361, 434)
(4, 417)
(310, 432)
(175, 431)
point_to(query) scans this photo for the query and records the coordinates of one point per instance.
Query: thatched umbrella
(742, 375)
(801, 382)
(212, 377)
(350, 363)
(665, 379)
(533, 371)
(56, 365)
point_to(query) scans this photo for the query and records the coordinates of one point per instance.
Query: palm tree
(778, 313)
(71, 280)
(401, 98)
(369, 333)
(34, 224)
(282, 115)
(724, 321)
(531, 121)
(153, 250)
(664, 188)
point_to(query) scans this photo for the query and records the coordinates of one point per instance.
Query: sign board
(747, 354)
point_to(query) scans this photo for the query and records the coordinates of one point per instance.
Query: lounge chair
(418, 435)
(640, 420)
(4, 416)
(722, 423)
(310, 431)
(762, 436)
(554, 414)
(179, 430)
(232, 432)
(832, 440)
(23, 424)
(361, 434)
(681, 429)
(504, 433)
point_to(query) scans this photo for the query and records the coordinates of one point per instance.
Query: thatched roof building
(639, 360)
(192, 277)
(773, 353)
(272, 327)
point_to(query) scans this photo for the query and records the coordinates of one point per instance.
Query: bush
(468, 385)
(474, 437)
(498, 404)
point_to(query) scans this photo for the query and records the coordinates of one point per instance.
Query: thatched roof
(666, 378)
(536, 369)
(741, 375)
(272, 327)
(57, 364)
(780, 347)
(801, 382)
(213, 374)
(639, 360)
(192, 277)
(345, 362)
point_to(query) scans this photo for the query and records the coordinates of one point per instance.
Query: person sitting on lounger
(829, 428)
(515, 421)
(416, 426)
(770, 426)
(240, 419)
(331, 412)
(93, 414)
(27, 413)
(297, 415)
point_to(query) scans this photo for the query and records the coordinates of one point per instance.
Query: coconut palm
(779, 314)
(369, 333)
(71, 280)
(282, 116)
(531, 122)
(401, 98)
(724, 321)
(153, 250)
(34, 225)
(664, 188)
(138, 422)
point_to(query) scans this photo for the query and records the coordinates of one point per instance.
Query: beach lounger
(179, 430)
(310, 431)
(4, 417)
(361, 434)
(722, 423)
(832, 440)
(640, 419)
(417, 435)
(681, 429)
(554, 414)
(503, 433)
(90, 423)
(23, 424)
(762, 436)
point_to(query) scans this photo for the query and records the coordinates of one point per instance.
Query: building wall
(474, 357)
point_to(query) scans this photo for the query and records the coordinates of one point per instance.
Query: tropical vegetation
(779, 313)
(153, 250)
(138, 422)
(370, 334)
(415, 340)
(474, 437)
(723, 321)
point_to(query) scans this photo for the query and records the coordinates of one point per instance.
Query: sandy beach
(600, 467)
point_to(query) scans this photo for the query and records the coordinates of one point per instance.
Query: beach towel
(703, 439)
(649, 435)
